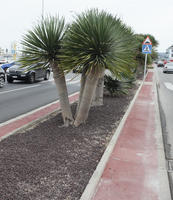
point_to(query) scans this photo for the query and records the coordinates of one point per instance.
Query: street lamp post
(42, 9)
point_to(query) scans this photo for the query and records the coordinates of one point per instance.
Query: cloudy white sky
(149, 16)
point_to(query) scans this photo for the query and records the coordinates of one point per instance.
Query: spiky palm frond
(115, 86)
(42, 44)
(98, 39)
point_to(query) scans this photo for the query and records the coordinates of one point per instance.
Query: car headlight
(7, 70)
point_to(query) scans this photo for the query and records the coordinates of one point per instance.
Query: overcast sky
(149, 16)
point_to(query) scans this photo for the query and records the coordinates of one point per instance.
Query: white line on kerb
(169, 85)
(23, 88)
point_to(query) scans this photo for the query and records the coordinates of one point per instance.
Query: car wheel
(9, 79)
(31, 78)
(47, 75)
(2, 82)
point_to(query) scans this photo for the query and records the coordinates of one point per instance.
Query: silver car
(168, 67)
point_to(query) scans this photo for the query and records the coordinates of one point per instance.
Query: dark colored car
(2, 77)
(27, 74)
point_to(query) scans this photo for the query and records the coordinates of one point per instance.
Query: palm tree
(41, 48)
(96, 41)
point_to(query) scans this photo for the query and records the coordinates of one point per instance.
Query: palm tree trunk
(60, 82)
(82, 84)
(98, 95)
(88, 92)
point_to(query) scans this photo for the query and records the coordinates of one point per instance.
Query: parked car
(7, 65)
(160, 64)
(168, 67)
(27, 73)
(2, 77)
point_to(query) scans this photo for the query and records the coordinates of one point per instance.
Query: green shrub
(116, 87)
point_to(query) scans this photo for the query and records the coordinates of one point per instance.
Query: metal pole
(42, 9)
(145, 66)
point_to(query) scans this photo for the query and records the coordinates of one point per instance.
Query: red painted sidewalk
(132, 169)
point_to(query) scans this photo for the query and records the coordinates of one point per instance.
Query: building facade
(169, 53)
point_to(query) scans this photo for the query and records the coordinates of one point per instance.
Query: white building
(169, 53)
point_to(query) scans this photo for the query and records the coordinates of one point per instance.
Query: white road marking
(169, 85)
(18, 89)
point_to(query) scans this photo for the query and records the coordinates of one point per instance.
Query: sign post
(146, 49)
(145, 66)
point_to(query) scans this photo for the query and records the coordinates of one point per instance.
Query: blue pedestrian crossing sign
(147, 46)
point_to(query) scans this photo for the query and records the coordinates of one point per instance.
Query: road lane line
(18, 89)
(169, 85)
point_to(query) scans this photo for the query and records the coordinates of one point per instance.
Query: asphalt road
(165, 94)
(19, 97)
(165, 91)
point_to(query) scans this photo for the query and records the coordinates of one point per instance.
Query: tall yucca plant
(41, 47)
(96, 41)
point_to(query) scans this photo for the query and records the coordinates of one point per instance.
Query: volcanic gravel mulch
(48, 162)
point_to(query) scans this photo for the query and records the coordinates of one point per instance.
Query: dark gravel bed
(48, 162)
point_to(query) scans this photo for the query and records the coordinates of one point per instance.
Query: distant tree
(140, 57)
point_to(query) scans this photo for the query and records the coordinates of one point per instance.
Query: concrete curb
(48, 111)
(164, 187)
(92, 184)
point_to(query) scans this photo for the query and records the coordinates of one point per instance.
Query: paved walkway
(135, 169)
